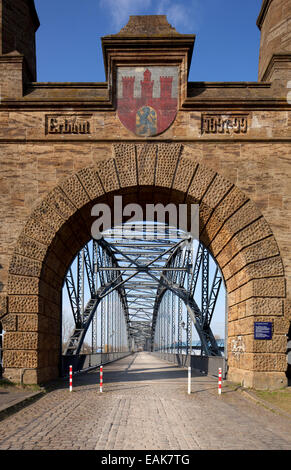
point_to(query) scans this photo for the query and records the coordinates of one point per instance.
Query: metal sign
(263, 330)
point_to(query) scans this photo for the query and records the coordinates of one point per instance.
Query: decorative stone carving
(68, 124)
(224, 124)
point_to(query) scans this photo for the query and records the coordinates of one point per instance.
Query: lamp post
(162, 345)
(189, 367)
(189, 336)
(111, 342)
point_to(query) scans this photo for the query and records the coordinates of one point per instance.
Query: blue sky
(69, 46)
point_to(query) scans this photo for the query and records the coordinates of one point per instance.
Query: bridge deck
(144, 405)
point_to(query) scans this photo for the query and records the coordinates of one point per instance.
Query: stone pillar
(274, 22)
(18, 25)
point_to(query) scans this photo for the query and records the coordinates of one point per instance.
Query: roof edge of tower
(263, 13)
(154, 26)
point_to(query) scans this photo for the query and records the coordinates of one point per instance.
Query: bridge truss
(138, 290)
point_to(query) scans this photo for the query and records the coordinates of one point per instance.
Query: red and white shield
(147, 98)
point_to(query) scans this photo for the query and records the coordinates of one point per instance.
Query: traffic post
(189, 380)
(219, 380)
(101, 379)
(71, 378)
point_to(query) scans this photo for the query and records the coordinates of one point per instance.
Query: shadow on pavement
(121, 372)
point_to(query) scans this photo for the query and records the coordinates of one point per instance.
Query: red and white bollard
(189, 380)
(71, 378)
(219, 380)
(101, 378)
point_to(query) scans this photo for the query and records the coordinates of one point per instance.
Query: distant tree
(86, 349)
(68, 326)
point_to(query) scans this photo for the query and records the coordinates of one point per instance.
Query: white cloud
(182, 14)
(120, 10)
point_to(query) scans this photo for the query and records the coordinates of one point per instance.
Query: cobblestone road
(144, 406)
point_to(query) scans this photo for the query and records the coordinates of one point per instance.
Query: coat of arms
(147, 98)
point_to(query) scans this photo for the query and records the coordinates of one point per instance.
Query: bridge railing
(208, 365)
(83, 362)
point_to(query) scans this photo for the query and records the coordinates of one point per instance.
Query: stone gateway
(66, 146)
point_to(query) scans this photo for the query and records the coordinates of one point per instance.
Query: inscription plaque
(68, 124)
(224, 124)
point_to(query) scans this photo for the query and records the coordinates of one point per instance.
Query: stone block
(25, 304)
(218, 190)
(256, 231)
(258, 380)
(266, 268)
(35, 229)
(202, 179)
(91, 183)
(3, 305)
(9, 322)
(146, 164)
(74, 190)
(261, 250)
(23, 285)
(287, 309)
(28, 322)
(30, 248)
(184, 174)
(107, 173)
(21, 340)
(264, 306)
(45, 215)
(270, 362)
(204, 215)
(60, 203)
(20, 359)
(167, 161)
(278, 344)
(11, 82)
(25, 266)
(126, 164)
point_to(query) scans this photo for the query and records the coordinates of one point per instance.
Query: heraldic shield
(147, 98)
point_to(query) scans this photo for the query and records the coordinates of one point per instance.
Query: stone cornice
(12, 58)
(95, 96)
(103, 104)
(275, 59)
(136, 45)
(262, 15)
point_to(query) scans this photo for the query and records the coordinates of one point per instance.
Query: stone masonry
(63, 148)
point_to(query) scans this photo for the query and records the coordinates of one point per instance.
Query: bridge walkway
(144, 406)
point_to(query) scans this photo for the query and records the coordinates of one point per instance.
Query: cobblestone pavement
(144, 406)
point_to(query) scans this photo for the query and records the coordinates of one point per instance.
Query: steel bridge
(131, 291)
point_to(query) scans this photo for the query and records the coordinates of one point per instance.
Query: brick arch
(231, 226)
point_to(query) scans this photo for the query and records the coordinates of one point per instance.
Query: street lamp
(112, 346)
(190, 335)
(190, 366)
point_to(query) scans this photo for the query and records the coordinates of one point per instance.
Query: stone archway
(231, 226)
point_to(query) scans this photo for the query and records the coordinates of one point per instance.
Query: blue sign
(263, 330)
